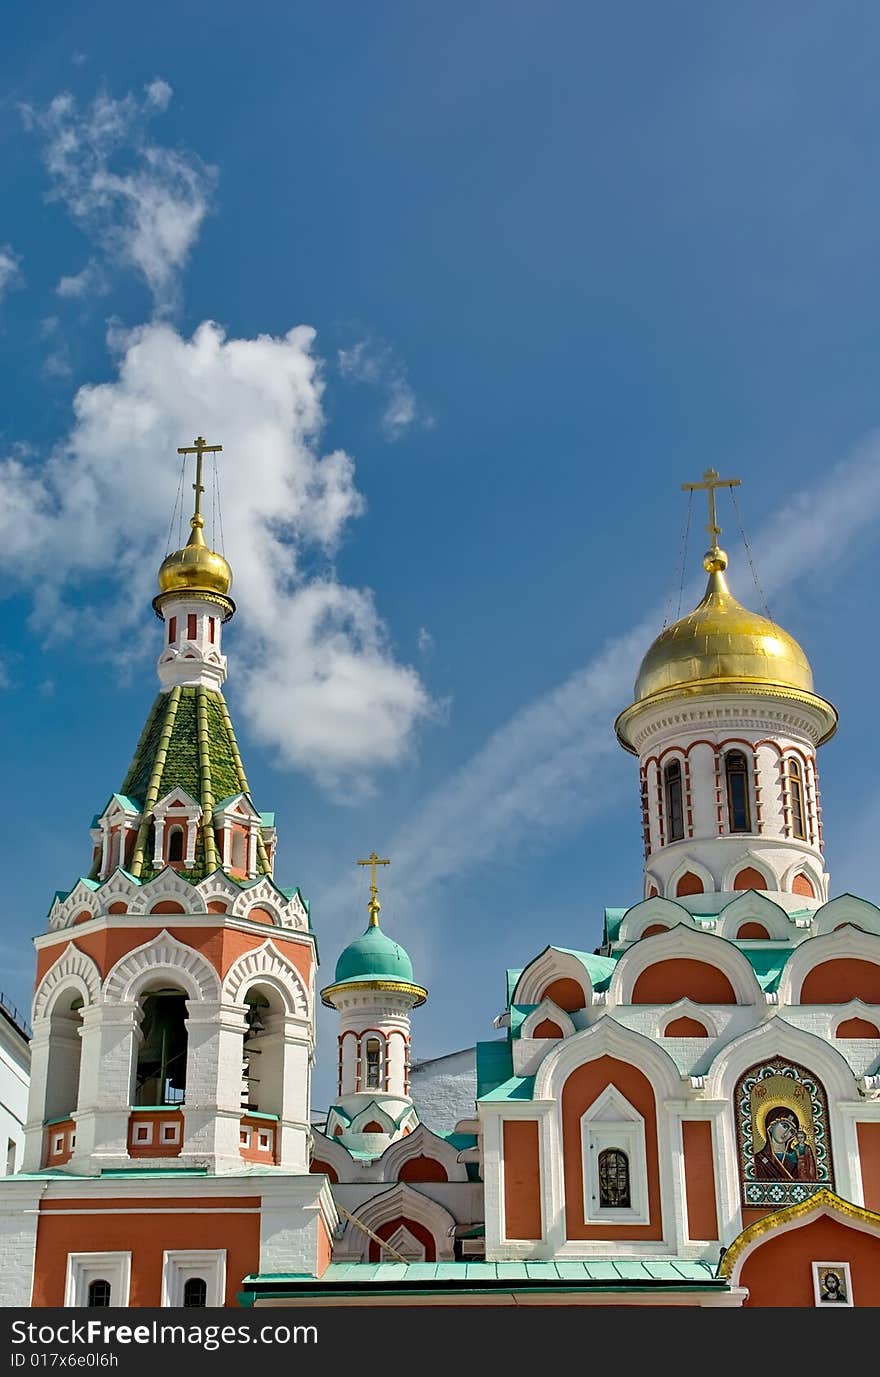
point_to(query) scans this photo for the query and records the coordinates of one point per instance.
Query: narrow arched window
(195, 1294)
(796, 798)
(614, 1180)
(673, 795)
(99, 1293)
(175, 845)
(239, 850)
(374, 1057)
(738, 810)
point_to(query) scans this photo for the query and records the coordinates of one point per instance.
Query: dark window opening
(172, 629)
(99, 1293)
(175, 845)
(614, 1180)
(737, 771)
(195, 1294)
(161, 1058)
(674, 801)
(191, 626)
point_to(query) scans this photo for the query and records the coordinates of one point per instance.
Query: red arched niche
(324, 1169)
(803, 886)
(547, 1029)
(168, 906)
(566, 994)
(422, 1169)
(585, 1084)
(839, 981)
(684, 1028)
(653, 928)
(753, 930)
(857, 1028)
(689, 884)
(778, 1272)
(372, 1127)
(750, 878)
(417, 1230)
(667, 982)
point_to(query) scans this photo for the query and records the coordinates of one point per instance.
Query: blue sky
(558, 259)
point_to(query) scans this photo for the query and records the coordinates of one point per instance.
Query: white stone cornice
(853, 944)
(683, 942)
(609, 1038)
(73, 970)
(846, 908)
(163, 955)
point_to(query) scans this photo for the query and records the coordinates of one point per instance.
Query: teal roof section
(494, 1065)
(267, 819)
(613, 919)
(599, 968)
(515, 1088)
(767, 963)
(374, 956)
(347, 1278)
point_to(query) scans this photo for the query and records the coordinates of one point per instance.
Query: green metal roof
(187, 743)
(374, 956)
(494, 1065)
(342, 1278)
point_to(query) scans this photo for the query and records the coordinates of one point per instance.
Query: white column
(36, 1112)
(159, 837)
(252, 850)
(212, 1105)
(192, 832)
(285, 1056)
(110, 1033)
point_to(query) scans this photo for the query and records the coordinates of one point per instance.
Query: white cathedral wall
(444, 1089)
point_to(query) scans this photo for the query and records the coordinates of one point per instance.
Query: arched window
(195, 1294)
(374, 1066)
(172, 630)
(99, 1293)
(796, 798)
(175, 845)
(674, 806)
(738, 811)
(613, 1180)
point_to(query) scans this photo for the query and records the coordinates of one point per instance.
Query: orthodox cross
(373, 906)
(710, 482)
(199, 448)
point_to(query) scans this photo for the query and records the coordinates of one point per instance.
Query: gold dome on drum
(721, 639)
(195, 568)
(723, 647)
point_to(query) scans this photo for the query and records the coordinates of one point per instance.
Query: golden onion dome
(723, 647)
(195, 568)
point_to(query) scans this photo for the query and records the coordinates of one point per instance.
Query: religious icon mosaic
(784, 1141)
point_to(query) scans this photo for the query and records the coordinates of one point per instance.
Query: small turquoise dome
(374, 957)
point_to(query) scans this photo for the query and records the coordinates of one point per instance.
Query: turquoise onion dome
(374, 957)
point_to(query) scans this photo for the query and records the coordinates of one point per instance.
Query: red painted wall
(778, 1273)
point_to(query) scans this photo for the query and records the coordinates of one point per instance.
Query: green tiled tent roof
(188, 743)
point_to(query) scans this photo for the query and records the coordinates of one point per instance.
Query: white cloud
(312, 663)
(374, 362)
(540, 774)
(425, 642)
(89, 282)
(142, 204)
(10, 268)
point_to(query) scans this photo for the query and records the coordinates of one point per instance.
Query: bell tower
(174, 1005)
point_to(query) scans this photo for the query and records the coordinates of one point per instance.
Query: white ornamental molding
(850, 944)
(165, 887)
(682, 942)
(164, 955)
(72, 970)
(81, 898)
(402, 1202)
(547, 1010)
(421, 1143)
(267, 965)
(217, 887)
(649, 911)
(552, 964)
(753, 907)
(608, 1038)
(778, 1038)
(846, 908)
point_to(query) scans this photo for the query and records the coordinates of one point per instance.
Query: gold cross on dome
(710, 482)
(373, 906)
(199, 448)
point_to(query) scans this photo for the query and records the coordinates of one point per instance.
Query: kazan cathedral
(688, 1115)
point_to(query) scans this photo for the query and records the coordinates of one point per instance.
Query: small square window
(171, 1133)
(72, 1141)
(143, 1133)
(244, 1137)
(264, 1139)
(58, 1143)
